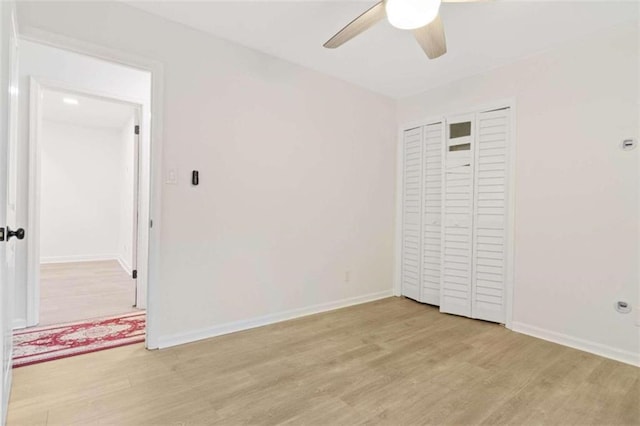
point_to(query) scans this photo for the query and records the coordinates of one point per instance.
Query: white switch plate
(172, 176)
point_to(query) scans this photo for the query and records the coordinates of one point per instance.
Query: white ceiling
(480, 36)
(90, 111)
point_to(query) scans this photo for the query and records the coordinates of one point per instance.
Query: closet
(455, 214)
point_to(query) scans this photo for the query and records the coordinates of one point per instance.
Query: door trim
(156, 69)
(36, 87)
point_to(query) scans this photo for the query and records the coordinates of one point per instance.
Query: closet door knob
(18, 233)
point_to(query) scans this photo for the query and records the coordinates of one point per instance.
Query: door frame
(136, 194)
(511, 195)
(37, 86)
(156, 69)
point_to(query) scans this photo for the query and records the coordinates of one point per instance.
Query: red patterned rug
(34, 345)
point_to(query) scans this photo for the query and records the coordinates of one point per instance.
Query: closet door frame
(511, 214)
(510, 270)
(397, 282)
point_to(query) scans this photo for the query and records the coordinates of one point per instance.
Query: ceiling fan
(420, 16)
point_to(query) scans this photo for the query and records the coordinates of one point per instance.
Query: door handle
(18, 233)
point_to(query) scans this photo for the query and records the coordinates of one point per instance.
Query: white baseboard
(573, 342)
(231, 327)
(124, 265)
(78, 258)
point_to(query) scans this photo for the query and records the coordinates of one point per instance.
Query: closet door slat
(490, 219)
(411, 245)
(457, 210)
(433, 139)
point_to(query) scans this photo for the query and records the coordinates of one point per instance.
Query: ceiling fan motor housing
(411, 14)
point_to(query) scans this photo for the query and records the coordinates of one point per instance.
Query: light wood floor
(392, 362)
(83, 290)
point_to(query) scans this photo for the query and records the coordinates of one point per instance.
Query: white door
(491, 216)
(411, 213)
(8, 128)
(457, 211)
(433, 136)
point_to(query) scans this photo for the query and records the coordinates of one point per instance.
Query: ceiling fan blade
(431, 38)
(363, 22)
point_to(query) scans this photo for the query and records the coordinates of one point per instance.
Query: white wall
(297, 174)
(576, 229)
(81, 73)
(81, 192)
(126, 190)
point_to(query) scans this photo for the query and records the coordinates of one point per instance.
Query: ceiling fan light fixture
(411, 14)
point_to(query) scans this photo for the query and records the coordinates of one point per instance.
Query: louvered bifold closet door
(457, 210)
(432, 213)
(411, 213)
(491, 215)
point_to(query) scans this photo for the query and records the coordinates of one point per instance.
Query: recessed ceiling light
(70, 101)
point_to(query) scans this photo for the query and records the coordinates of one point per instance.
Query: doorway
(86, 127)
(84, 212)
(87, 206)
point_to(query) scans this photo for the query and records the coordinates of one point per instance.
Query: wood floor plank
(77, 291)
(392, 362)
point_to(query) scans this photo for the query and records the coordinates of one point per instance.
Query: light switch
(172, 176)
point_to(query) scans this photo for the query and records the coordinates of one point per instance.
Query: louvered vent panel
(457, 210)
(411, 213)
(490, 224)
(432, 213)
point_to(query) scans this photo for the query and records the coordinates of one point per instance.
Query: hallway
(84, 290)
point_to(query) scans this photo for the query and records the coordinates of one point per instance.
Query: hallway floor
(84, 290)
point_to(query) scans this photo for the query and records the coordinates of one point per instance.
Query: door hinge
(150, 223)
(1, 234)
(134, 274)
(136, 130)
